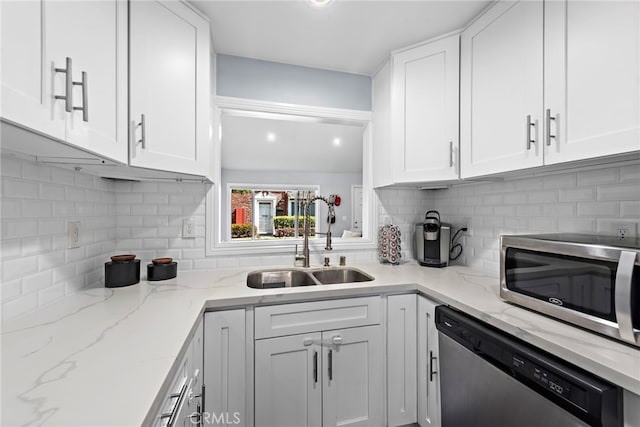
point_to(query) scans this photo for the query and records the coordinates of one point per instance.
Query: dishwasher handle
(432, 358)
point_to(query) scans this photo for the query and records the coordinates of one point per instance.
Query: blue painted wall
(292, 84)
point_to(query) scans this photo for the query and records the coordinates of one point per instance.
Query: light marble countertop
(101, 357)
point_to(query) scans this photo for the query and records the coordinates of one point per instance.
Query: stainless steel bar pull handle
(315, 367)
(450, 154)
(431, 371)
(84, 83)
(530, 124)
(330, 369)
(68, 89)
(549, 118)
(622, 286)
(143, 139)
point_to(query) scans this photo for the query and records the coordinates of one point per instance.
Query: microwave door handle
(623, 282)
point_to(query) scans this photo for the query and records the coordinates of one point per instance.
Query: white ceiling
(299, 146)
(348, 35)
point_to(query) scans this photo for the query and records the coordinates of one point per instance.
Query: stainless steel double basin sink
(286, 278)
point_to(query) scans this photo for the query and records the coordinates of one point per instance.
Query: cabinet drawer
(289, 319)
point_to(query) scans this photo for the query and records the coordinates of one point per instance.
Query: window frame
(215, 246)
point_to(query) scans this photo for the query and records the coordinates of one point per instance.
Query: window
(268, 213)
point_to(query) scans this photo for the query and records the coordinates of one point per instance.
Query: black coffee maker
(433, 239)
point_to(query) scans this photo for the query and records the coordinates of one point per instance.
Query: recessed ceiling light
(337, 141)
(320, 3)
(271, 137)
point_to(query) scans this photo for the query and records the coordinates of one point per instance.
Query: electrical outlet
(626, 231)
(73, 234)
(188, 228)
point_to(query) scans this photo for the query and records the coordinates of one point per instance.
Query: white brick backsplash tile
(578, 194)
(180, 199)
(11, 208)
(619, 192)
(155, 198)
(599, 209)
(193, 253)
(155, 244)
(85, 209)
(11, 248)
(518, 222)
(19, 188)
(529, 210)
(64, 208)
(74, 285)
(630, 209)
(75, 254)
(124, 187)
(559, 181)
(37, 282)
(515, 198)
(144, 210)
(10, 166)
(155, 221)
(11, 289)
(50, 260)
(180, 243)
(18, 267)
(123, 210)
(16, 228)
(129, 198)
(547, 196)
(483, 210)
(169, 210)
(546, 224)
(578, 225)
(530, 184)
(630, 173)
(51, 191)
(36, 245)
(52, 226)
(128, 221)
(169, 187)
(559, 209)
(504, 210)
(63, 272)
(36, 208)
(598, 176)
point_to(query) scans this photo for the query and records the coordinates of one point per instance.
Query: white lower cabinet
(320, 363)
(325, 378)
(402, 381)
(428, 365)
(225, 368)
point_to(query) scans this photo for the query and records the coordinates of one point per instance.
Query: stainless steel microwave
(589, 281)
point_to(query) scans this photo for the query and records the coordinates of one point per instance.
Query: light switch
(73, 234)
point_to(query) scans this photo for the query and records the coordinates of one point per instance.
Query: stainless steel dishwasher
(489, 378)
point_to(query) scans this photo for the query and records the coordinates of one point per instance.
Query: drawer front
(290, 319)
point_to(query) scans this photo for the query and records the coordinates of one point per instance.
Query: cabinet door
(425, 111)
(224, 367)
(428, 370)
(28, 81)
(288, 388)
(352, 377)
(501, 84)
(401, 360)
(381, 126)
(592, 88)
(169, 83)
(93, 34)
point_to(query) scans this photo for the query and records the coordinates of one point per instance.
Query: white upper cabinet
(549, 82)
(55, 82)
(592, 79)
(424, 116)
(415, 114)
(169, 84)
(501, 81)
